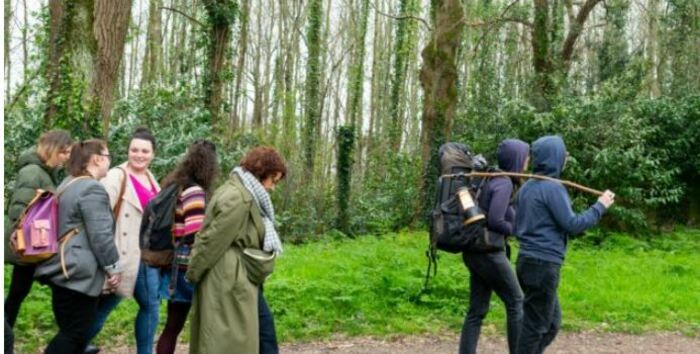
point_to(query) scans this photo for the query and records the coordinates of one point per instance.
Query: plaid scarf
(272, 242)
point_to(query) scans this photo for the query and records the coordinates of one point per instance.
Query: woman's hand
(607, 199)
(113, 280)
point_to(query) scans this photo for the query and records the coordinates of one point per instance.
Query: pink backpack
(35, 234)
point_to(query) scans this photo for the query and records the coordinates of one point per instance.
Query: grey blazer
(90, 253)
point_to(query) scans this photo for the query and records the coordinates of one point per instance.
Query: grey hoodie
(545, 217)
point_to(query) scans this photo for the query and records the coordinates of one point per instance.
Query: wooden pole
(526, 175)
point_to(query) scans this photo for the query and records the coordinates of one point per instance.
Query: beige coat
(128, 224)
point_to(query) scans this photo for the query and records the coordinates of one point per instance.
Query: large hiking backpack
(156, 236)
(35, 234)
(448, 230)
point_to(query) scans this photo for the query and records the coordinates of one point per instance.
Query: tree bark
(240, 66)
(110, 28)
(154, 44)
(221, 17)
(7, 61)
(311, 96)
(438, 78)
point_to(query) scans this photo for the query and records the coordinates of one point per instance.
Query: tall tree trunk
(240, 66)
(653, 48)
(402, 50)
(542, 57)
(7, 61)
(356, 67)
(110, 29)
(221, 15)
(311, 96)
(154, 44)
(438, 78)
(59, 24)
(612, 56)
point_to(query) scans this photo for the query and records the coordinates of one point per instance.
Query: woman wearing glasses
(130, 187)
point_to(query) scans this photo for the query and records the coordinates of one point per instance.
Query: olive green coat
(33, 174)
(225, 304)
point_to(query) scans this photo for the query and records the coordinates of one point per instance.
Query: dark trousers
(490, 272)
(542, 314)
(74, 313)
(9, 338)
(20, 285)
(175, 321)
(268, 336)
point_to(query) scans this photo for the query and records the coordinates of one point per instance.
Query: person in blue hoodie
(544, 220)
(492, 272)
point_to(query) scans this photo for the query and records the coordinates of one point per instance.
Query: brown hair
(52, 142)
(263, 162)
(81, 154)
(144, 134)
(199, 166)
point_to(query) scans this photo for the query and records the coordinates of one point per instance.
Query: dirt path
(583, 343)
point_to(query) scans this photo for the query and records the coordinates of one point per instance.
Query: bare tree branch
(183, 14)
(407, 17)
(575, 29)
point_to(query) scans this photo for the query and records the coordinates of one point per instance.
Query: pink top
(142, 192)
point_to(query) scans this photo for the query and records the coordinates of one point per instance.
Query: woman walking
(88, 255)
(193, 177)
(130, 187)
(491, 272)
(232, 256)
(38, 169)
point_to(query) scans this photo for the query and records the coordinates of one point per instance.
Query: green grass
(369, 286)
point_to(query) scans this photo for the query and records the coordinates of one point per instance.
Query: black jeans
(490, 272)
(268, 336)
(20, 285)
(74, 313)
(542, 314)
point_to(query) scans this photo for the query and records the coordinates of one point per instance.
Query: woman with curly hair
(194, 177)
(232, 256)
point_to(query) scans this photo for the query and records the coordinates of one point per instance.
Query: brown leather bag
(120, 198)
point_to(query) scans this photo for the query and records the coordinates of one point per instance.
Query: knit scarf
(272, 242)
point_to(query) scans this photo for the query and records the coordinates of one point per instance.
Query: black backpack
(156, 237)
(447, 231)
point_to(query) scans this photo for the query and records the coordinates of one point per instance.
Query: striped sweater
(189, 218)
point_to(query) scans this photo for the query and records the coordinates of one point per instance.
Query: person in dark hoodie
(491, 272)
(544, 220)
(38, 168)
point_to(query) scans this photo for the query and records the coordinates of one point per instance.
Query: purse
(259, 264)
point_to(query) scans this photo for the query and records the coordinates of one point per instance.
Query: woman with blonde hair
(39, 168)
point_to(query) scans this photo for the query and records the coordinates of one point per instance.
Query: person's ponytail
(80, 156)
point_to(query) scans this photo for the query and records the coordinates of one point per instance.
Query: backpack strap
(72, 232)
(118, 205)
(431, 252)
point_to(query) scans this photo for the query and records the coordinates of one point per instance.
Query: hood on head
(548, 155)
(511, 154)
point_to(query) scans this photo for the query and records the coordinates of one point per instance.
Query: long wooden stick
(526, 175)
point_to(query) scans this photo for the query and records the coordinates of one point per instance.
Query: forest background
(358, 95)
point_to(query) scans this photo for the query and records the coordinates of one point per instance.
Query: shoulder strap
(118, 205)
(64, 188)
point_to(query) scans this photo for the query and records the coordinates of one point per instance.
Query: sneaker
(91, 349)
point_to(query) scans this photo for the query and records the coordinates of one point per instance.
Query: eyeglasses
(108, 156)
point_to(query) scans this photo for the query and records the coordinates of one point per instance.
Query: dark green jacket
(33, 174)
